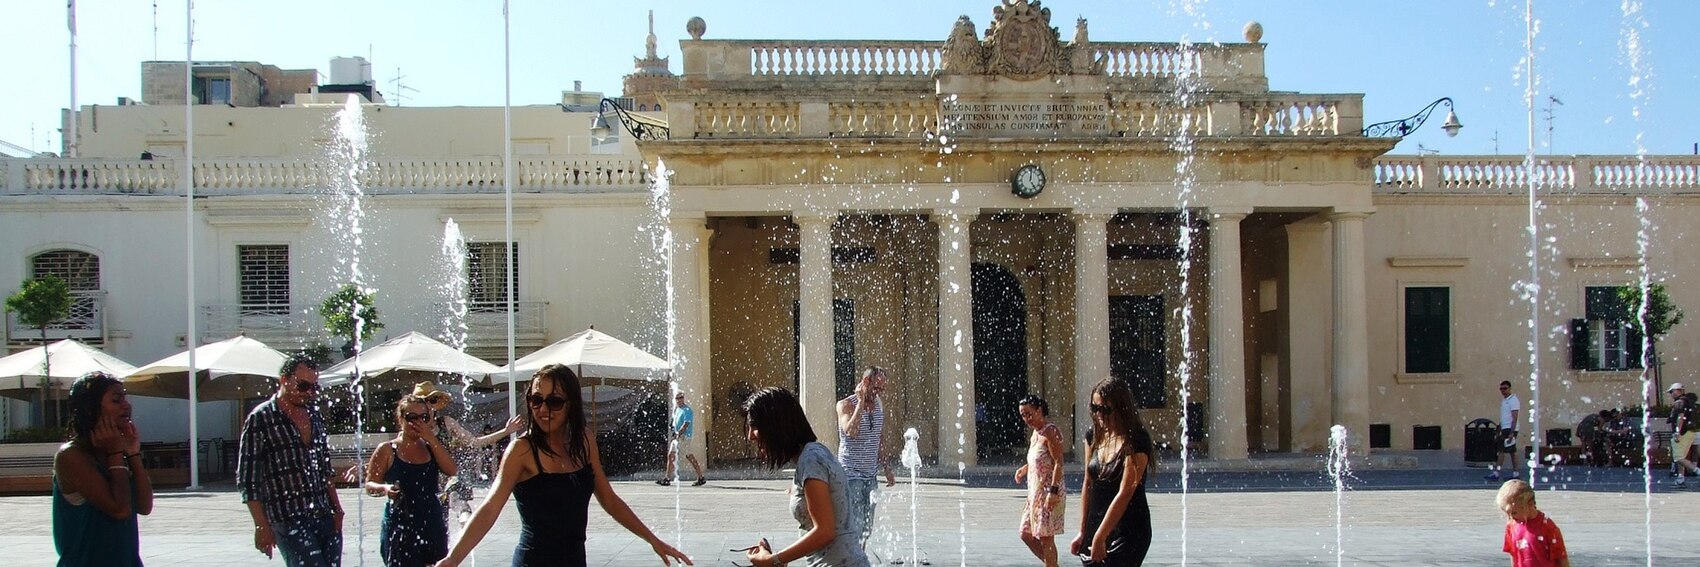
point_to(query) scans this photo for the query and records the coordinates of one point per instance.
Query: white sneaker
(1513, 474)
(1680, 481)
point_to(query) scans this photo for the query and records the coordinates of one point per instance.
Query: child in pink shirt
(1530, 537)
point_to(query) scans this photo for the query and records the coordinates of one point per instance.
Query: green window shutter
(1579, 344)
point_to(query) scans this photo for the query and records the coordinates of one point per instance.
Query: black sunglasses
(1100, 409)
(555, 403)
(412, 417)
(305, 386)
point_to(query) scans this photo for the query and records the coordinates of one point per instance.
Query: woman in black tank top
(552, 471)
(1118, 461)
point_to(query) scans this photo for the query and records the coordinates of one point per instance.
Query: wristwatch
(1054, 489)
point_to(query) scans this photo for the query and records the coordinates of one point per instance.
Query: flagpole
(189, 228)
(71, 125)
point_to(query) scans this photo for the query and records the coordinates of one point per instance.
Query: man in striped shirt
(284, 472)
(861, 445)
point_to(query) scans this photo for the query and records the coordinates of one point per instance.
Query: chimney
(578, 86)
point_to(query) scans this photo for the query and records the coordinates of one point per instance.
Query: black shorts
(1508, 441)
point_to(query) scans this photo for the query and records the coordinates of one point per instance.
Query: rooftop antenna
(156, 30)
(1551, 100)
(1495, 142)
(399, 88)
(1425, 150)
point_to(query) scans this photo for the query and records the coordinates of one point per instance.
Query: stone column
(689, 340)
(1305, 328)
(814, 321)
(1227, 411)
(1091, 310)
(957, 440)
(1351, 329)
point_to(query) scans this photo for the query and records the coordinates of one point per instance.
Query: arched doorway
(1000, 361)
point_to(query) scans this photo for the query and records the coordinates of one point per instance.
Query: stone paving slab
(1454, 522)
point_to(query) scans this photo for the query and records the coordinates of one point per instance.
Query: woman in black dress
(1115, 529)
(405, 470)
(552, 471)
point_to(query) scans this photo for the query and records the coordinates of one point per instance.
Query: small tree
(350, 311)
(1662, 314)
(39, 303)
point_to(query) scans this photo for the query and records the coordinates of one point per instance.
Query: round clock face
(1028, 181)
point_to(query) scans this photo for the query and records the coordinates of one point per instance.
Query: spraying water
(1186, 177)
(1339, 467)
(1631, 44)
(347, 157)
(661, 203)
(911, 459)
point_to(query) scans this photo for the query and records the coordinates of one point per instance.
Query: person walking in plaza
(820, 497)
(861, 445)
(684, 421)
(1531, 538)
(100, 485)
(1042, 520)
(405, 471)
(284, 475)
(1509, 407)
(1685, 421)
(1115, 525)
(551, 472)
(463, 445)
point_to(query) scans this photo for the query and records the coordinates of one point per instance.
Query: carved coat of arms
(1020, 44)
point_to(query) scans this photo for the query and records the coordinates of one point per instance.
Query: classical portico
(860, 202)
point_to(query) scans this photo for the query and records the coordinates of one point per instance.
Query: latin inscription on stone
(1016, 118)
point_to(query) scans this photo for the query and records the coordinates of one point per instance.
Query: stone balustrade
(726, 60)
(230, 176)
(1556, 174)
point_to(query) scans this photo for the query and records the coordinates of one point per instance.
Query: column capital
(1092, 216)
(955, 214)
(811, 217)
(1304, 227)
(687, 217)
(1339, 214)
(1228, 213)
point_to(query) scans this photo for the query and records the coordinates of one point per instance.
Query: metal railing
(266, 322)
(86, 321)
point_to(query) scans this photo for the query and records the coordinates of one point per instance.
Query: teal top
(83, 535)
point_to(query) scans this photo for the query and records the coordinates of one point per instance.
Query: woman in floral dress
(1043, 518)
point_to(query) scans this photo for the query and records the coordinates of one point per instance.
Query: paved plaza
(1412, 516)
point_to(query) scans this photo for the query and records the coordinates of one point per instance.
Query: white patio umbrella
(66, 360)
(404, 360)
(231, 369)
(592, 354)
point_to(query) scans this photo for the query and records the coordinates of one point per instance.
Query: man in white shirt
(1509, 407)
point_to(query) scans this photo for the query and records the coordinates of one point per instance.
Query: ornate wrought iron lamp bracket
(1404, 127)
(640, 129)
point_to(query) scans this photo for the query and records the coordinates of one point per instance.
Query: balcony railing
(1555, 174)
(279, 323)
(86, 321)
(384, 175)
(869, 59)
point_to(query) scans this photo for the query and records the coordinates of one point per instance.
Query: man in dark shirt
(284, 473)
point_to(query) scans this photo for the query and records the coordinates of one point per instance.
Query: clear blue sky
(1401, 55)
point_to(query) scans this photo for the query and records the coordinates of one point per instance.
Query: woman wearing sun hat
(458, 494)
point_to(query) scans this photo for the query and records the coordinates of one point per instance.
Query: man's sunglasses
(414, 417)
(305, 386)
(555, 403)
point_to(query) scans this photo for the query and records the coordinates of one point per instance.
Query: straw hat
(429, 392)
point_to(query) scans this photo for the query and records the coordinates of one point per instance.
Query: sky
(1401, 55)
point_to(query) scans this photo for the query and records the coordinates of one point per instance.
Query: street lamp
(641, 127)
(1404, 127)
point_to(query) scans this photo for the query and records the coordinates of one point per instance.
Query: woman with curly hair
(405, 470)
(99, 482)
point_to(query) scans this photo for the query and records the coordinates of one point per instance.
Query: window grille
(263, 278)
(486, 276)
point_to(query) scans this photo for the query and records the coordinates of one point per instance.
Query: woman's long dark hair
(85, 402)
(566, 384)
(1123, 421)
(784, 427)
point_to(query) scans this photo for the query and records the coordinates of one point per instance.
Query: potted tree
(350, 314)
(40, 303)
(1661, 314)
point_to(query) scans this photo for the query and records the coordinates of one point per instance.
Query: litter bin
(1481, 440)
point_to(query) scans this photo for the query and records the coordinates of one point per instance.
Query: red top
(1535, 543)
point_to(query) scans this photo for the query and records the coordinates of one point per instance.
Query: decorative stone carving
(1020, 44)
(963, 54)
(1253, 32)
(696, 26)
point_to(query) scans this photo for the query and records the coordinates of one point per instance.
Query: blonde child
(1530, 537)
